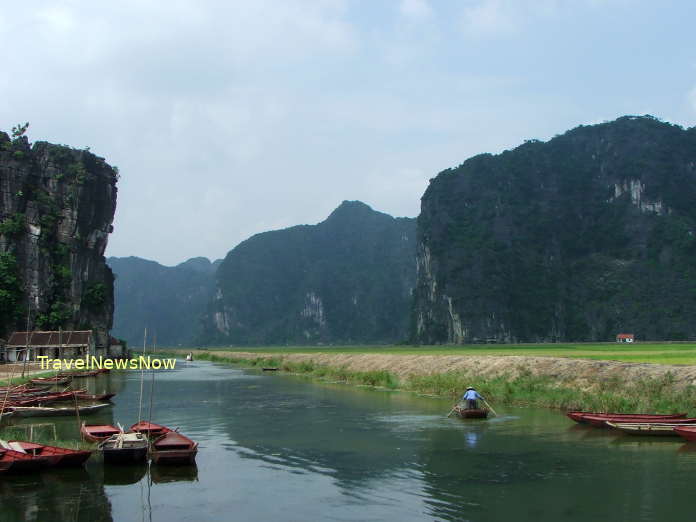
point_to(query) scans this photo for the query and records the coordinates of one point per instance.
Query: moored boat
(98, 432)
(603, 422)
(657, 429)
(12, 461)
(150, 429)
(477, 413)
(102, 397)
(80, 375)
(174, 448)
(42, 411)
(124, 448)
(53, 455)
(580, 416)
(686, 432)
(53, 381)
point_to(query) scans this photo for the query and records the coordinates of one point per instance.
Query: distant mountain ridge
(169, 301)
(347, 279)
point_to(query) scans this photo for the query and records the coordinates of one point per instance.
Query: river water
(278, 447)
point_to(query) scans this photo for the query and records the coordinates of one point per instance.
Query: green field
(660, 353)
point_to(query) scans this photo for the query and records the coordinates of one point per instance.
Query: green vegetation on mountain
(169, 301)
(56, 208)
(347, 279)
(576, 239)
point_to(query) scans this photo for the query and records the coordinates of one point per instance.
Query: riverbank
(515, 380)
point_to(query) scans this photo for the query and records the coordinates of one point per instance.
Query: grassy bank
(522, 389)
(648, 352)
(17, 380)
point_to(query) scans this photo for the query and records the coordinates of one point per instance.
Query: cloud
(415, 9)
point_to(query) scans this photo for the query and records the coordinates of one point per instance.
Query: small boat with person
(474, 413)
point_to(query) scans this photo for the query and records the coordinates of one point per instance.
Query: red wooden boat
(601, 422)
(174, 448)
(579, 416)
(78, 375)
(476, 413)
(103, 397)
(53, 455)
(53, 381)
(17, 462)
(149, 428)
(686, 432)
(98, 433)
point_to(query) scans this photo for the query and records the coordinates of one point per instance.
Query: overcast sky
(228, 118)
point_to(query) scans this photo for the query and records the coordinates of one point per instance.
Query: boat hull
(98, 433)
(174, 457)
(125, 455)
(686, 432)
(36, 411)
(651, 430)
(581, 416)
(477, 413)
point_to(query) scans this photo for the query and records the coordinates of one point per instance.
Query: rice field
(681, 353)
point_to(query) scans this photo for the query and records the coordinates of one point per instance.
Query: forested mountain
(56, 208)
(346, 280)
(589, 234)
(169, 301)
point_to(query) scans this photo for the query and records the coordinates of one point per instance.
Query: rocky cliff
(577, 239)
(346, 280)
(56, 209)
(169, 301)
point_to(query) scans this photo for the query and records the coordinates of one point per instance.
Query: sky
(231, 117)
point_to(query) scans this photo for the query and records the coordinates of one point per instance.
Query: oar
(453, 408)
(489, 407)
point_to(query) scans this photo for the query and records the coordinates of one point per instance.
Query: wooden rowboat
(580, 416)
(40, 411)
(53, 381)
(150, 429)
(98, 433)
(655, 429)
(102, 397)
(124, 448)
(80, 375)
(174, 448)
(477, 413)
(53, 455)
(603, 422)
(686, 432)
(12, 461)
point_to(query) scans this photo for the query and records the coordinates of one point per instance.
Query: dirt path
(14, 371)
(569, 372)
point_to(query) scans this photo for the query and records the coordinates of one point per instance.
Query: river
(279, 447)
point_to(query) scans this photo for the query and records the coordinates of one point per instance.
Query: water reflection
(278, 447)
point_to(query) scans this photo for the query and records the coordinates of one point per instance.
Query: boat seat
(14, 446)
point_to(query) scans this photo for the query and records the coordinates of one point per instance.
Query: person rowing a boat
(470, 398)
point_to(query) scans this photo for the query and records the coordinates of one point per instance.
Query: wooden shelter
(69, 344)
